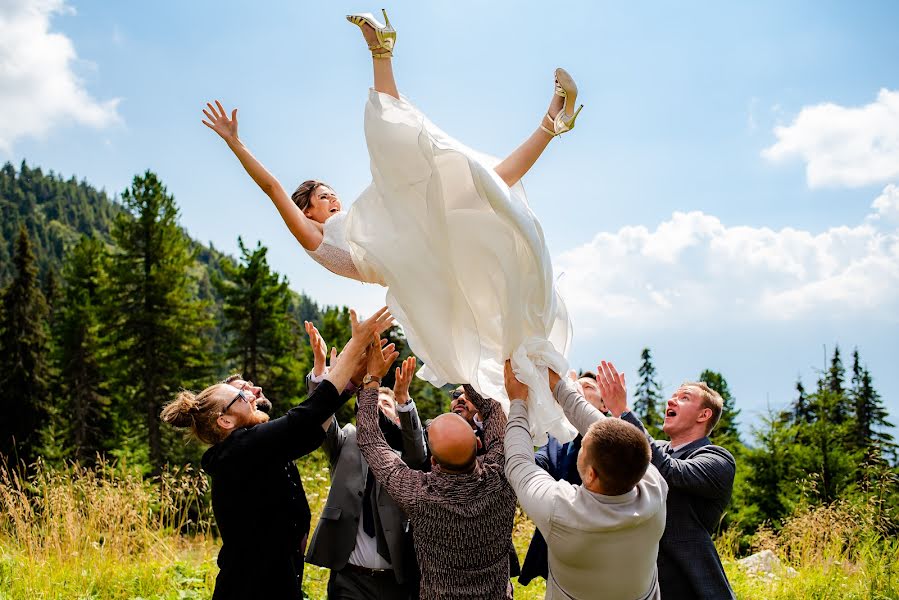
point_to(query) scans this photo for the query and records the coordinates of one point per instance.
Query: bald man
(462, 511)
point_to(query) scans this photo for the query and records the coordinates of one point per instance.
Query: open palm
(219, 122)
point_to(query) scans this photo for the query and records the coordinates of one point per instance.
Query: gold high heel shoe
(567, 89)
(386, 34)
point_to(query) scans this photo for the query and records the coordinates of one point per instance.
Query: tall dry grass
(107, 533)
(846, 549)
(103, 532)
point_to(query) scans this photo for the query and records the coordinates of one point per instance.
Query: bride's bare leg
(383, 67)
(520, 161)
(384, 81)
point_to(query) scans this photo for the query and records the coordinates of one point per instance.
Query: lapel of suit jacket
(687, 450)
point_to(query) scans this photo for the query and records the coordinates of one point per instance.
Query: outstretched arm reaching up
(307, 231)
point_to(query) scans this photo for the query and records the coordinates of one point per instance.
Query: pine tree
(24, 368)
(84, 397)
(305, 309)
(771, 471)
(263, 335)
(726, 433)
(835, 379)
(52, 292)
(826, 456)
(52, 444)
(801, 412)
(648, 396)
(870, 428)
(159, 325)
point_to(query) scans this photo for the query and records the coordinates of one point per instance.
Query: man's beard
(258, 417)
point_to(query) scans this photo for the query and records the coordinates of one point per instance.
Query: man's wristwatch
(369, 378)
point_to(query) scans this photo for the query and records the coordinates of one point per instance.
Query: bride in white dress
(449, 232)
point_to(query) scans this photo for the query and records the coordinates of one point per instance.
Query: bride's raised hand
(219, 122)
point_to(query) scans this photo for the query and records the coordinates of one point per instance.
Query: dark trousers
(277, 577)
(349, 585)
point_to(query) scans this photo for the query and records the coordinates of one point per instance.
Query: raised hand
(353, 356)
(403, 377)
(319, 350)
(378, 323)
(380, 357)
(514, 388)
(219, 122)
(612, 388)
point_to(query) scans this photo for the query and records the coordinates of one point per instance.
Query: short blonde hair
(711, 400)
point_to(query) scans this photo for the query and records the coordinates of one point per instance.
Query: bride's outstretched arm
(304, 229)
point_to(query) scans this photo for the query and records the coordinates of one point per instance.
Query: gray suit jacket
(335, 535)
(700, 480)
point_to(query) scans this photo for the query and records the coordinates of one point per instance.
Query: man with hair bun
(257, 494)
(603, 535)
(700, 478)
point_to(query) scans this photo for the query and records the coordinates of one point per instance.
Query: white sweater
(599, 546)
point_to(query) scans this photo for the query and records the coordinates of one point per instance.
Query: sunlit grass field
(105, 533)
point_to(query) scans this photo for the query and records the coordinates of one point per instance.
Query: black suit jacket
(259, 503)
(700, 480)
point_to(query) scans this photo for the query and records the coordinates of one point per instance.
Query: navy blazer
(700, 480)
(560, 461)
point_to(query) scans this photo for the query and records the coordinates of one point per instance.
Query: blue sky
(728, 197)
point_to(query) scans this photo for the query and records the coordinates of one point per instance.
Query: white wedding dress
(467, 271)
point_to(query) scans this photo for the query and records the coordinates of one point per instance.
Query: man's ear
(591, 476)
(704, 415)
(226, 422)
(433, 461)
(479, 443)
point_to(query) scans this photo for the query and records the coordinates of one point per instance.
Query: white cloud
(693, 270)
(887, 204)
(38, 87)
(851, 146)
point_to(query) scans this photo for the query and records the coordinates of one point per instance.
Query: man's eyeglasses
(456, 394)
(241, 395)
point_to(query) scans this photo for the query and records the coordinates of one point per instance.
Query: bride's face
(323, 203)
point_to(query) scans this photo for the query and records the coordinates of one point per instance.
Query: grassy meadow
(106, 533)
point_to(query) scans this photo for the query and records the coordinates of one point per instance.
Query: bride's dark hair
(301, 196)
